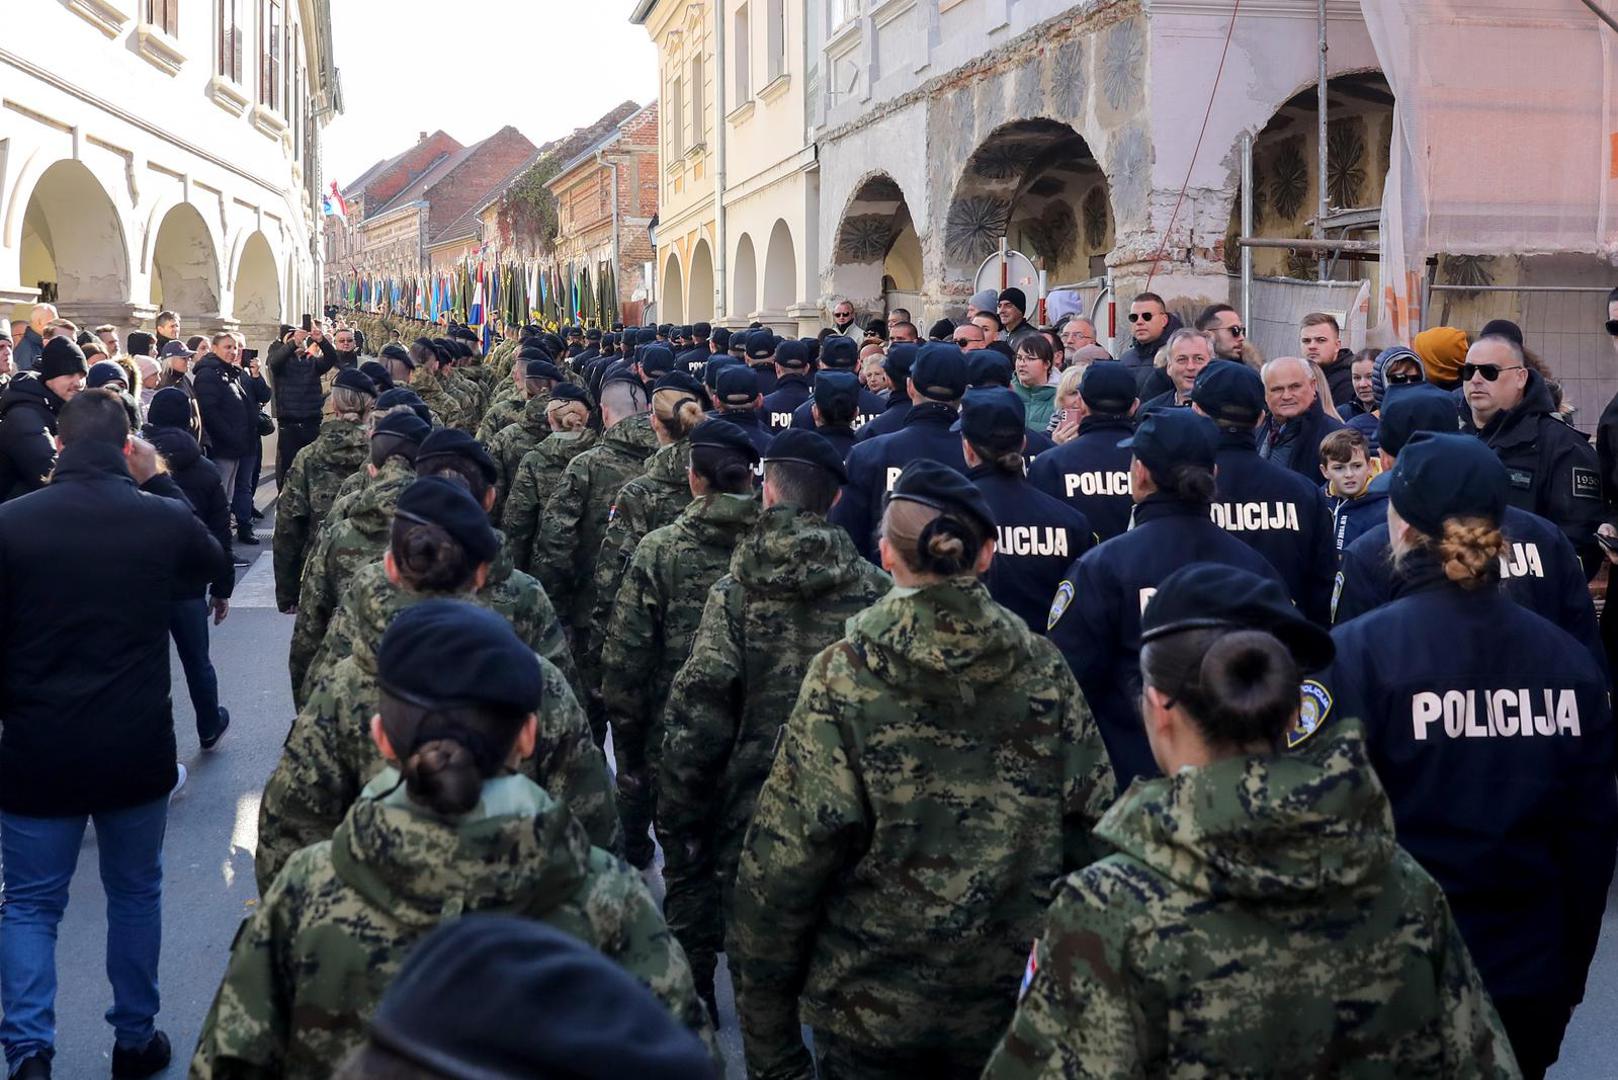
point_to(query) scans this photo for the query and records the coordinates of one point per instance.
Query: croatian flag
(333, 205)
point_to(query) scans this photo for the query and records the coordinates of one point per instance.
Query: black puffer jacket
(229, 399)
(28, 411)
(199, 480)
(296, 377)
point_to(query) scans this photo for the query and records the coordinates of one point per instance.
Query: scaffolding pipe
(1247, 224)
(1321, 210)
(1363, 247)
(1602, 15)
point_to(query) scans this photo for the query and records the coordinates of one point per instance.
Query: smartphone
(1608, 542)
(249, 355)
(308, 323)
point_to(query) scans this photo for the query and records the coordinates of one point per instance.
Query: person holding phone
(296, 363)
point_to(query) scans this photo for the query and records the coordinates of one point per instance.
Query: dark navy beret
(542, 369)
(807, 448)
(936, 485)
(566, 391)
(453, 441)
(491, 665)
(438, 500)
(1202, 596)
(1227, 390)
(407, 426)
(736, 384)
(678, 380)
(655, 359)
(725, 436)
(992, 417)
(378, 374)
(355, 379)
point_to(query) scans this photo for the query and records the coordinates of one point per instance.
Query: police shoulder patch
(1336, 594)
(1586, 483)
(1312, 712)
(1064, 597)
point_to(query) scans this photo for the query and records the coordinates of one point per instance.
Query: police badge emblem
(1312, 713)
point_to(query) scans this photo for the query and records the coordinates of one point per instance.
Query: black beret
(397, 395)
(724, 435)
(62, 356)
(678, 380)
(437, 500)
(721, 337)
(541, 369)
(378, 374)
(584, 1015)
(839, 351)
(592, 334)
(1202, 596)
(407, 426)
(792, 354)
(1227, 390)
(566, 391)
(993, 418)
(655, 359)
(1438, 477)
(491, 664)
(932, 484)
(1107, 386)
(939, 371)
(355, 379)
(453, 441)
(552, 344)
(701, 329)
(395, 351)
(736, 384)
(807, 448)
(645, 335)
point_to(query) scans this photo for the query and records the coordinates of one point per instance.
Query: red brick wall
(409, 167)
(476, 178)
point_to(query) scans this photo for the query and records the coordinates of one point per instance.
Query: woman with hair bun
(1257, 917)
(448, 827)
(1492, 730)
(938, 775)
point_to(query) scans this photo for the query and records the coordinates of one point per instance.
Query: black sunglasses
(1612, 327)
(966, 341)
(1490, 372)
(1141, 316)
(1404, 379)
(1238, 330)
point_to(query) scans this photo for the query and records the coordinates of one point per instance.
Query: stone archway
(877, 257)
(744, 280)
(699, 308)
(671, 301)
(1038, 183)
(185, 266)
(780, 272)
(73, 247)
(257, 288)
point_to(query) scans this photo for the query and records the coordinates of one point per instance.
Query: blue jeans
(188, 625)
(40, 855)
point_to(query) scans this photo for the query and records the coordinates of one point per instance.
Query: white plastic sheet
(1505, 135)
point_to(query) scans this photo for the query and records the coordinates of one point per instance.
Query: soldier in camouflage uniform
(649, 501)
(537, 475)
(427, 384)
(1258, 917)
(532, 425)
(509, 397)
(575, 516)
(311, 485)
(792, 584)
(939, 773)
(656, 613)
(352, 539)
(399, 400)
(447, 829)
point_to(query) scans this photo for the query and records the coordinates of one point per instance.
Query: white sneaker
(179, 767)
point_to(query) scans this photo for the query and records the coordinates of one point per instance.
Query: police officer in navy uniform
(896, 365)
(1551, 468)
(792, 389)
(937, 382)
(736, 399)
(761, 345)
(1038, 536)
(1090, 472)
(1095, 616)
(839, 353)
(1275, 511)
(694, 355)
(1491, 730)
(1540, 569)
(836, 397)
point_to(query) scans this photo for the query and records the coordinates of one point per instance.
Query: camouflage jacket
(649, 501)
(328, 756)
(793, 582)
(656, 615)
(307, 493)
(354, 483)
(311, 963)
(446, 408)
(537, 475)
(1259, 919)
(503, 409)
(371, 601)
(575, 520)
(512, 444)
(472, 395)
(938, 775)
(344, 546)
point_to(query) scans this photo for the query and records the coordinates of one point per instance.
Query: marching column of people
(1093, 698)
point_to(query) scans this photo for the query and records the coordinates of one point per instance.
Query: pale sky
(473, 66)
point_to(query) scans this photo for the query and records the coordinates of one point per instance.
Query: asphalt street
(209, 888)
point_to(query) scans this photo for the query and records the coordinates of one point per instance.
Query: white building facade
(165, 154)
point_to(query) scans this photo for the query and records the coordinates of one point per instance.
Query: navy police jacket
(1491, 730)
(1280, 515)
(873, 466)
(1038, 538)
(887, 420)
(1095, 617)
(695, 361)
(1091, 474)
(766, 377)
(751, 423)
(1539, 569)
(790, 392)
(869, 408)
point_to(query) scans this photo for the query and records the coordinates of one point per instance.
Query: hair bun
(947, 545)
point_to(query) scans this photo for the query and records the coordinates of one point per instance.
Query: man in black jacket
(1321, 340)
(89, 731)
(229, 399)
(1294, 422)
(296, 362)
(1150, 325)
(28, 411)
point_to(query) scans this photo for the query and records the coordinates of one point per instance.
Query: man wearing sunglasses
(1551, 468)
(1150, 325)
(1224, 325)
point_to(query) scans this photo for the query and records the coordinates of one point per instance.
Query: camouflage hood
(372, 513)
(795, 554)
(502, 566)
(667, 467)
(343, 444)
(1276, 828)
(717, 520)
(374, 608)
(518, 850)
(941, 639)
(532, 417)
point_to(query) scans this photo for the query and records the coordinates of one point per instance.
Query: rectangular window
(165, 15)
(289, 53)
(270, 44)
(230, 39)
(777, 43)
(743, 52)
(698, 119)
(677, 120)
